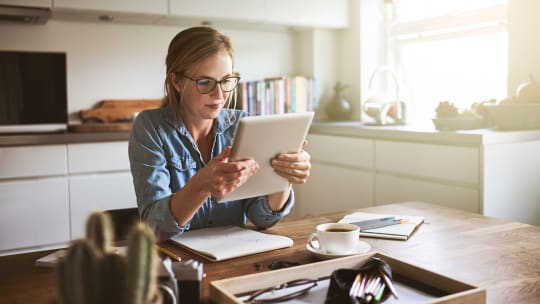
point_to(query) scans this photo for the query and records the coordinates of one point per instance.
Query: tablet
(262, 138)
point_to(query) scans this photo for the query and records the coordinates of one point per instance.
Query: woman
(179, 153)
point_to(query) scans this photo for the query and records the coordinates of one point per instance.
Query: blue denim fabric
(164, 157)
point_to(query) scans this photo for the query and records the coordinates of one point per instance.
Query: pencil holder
(369, 284)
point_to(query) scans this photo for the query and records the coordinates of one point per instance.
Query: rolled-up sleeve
(259, 213)
(151, 178)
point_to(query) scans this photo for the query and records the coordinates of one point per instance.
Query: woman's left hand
(293, 166)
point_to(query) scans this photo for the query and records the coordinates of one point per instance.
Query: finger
(283, 166)
(294, 178)
(224, 155)
(294, 156)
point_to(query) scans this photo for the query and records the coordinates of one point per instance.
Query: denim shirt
(164, 157)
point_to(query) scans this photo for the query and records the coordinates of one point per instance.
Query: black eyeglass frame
(216, 82)
(310, 284)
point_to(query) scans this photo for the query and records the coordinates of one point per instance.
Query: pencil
(168, 253)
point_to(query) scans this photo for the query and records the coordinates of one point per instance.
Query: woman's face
(197, 106)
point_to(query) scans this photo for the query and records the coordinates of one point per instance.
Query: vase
(339, 108)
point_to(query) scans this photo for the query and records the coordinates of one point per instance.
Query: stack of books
(279, 95)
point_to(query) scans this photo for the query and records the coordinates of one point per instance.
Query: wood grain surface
(501, 256)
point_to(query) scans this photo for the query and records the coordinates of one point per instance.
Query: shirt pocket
(181, 163)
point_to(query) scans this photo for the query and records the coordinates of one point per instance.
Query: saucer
(361, 247)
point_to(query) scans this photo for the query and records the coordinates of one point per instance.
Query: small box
(413, 283)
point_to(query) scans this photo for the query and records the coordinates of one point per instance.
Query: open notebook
(401, 231)
(221, 243)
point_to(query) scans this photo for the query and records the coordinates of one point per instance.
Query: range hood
(24, 14)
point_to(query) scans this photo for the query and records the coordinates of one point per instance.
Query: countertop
(28, 139)
(422, 133)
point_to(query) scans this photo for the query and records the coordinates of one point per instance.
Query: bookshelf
(278, 95)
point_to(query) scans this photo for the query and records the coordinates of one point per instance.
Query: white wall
(524, 42)
(123, 61)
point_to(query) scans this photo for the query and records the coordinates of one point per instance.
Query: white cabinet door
(439, 162)
(349, 152)
(33, 213)
(341, 175)
(16, 162)
(511, 181)
(98, 157)
(33, 3)
(98, 192)
(310, 13)
(332, 188)
(244, 10)
(394, 189)
(123, 6)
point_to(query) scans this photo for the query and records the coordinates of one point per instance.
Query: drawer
(33, 161)
(91, 192)
(98, 157)
(33, 213)
(451, 163)
(350, 152)
(333, 189)
(393, 189)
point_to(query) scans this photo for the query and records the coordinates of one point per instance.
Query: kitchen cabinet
(99, 179)
(48, 191)
(308, 13)
(511, 181)
(99, 191)
(483, 171)
(159, 7)
(34, 213)
(442, 174)
(35, 161)
(34, 206)
(240, 10)
(353, 172)
(341, 175)
(300, 13)
(32, 3)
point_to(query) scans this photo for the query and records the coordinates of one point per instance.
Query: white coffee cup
(335, 238)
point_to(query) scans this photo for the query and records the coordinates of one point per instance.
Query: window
(448, 50)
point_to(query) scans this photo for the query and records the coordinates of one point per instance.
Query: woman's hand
(293, 166)
(220, 176)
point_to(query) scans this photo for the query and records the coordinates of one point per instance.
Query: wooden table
(501, 256)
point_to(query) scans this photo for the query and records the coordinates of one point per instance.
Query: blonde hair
(187, 49)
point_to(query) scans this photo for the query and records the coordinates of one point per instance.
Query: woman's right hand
(222, 176)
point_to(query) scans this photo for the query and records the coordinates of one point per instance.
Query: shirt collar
(221, 123)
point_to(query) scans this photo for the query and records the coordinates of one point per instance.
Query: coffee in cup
(339, 238)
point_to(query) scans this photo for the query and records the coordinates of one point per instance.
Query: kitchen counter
(27, 139)
(423, 133)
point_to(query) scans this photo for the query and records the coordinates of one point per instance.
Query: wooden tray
(419, 283)
(100, 127)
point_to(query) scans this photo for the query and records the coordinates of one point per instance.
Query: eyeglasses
(282, 292)
(207, 85)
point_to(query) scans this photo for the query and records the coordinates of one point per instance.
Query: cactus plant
(80, 280)
(92, 273)
(113, 270)
(142, 268)
(99, 229)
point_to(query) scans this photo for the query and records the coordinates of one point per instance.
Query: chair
(123, 220)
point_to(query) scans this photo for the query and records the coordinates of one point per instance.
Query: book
(222, 243)
(402, 226)
(52, 259)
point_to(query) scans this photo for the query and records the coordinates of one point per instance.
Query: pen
(377, 223)
(168, 253)
(374, 221)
